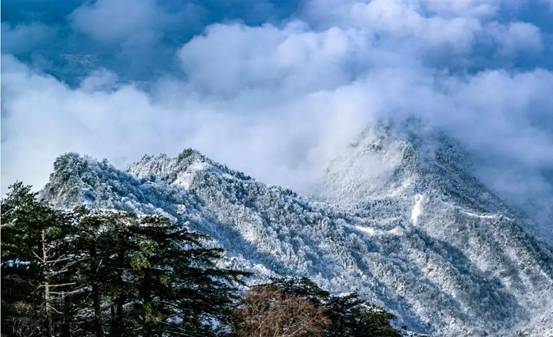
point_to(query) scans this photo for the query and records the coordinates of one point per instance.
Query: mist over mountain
(278, 89)
(397, 218)
(401, 148)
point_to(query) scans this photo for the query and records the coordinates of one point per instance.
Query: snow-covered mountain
(396, 217)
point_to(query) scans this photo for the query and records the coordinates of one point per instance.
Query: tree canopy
(99, 273)
(106, 273)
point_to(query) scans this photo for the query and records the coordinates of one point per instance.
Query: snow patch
(396, 231)
(417, 209)
(482, 216)
(367, 230)
(186, 178)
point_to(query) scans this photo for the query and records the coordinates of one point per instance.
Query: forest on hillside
(98, 273)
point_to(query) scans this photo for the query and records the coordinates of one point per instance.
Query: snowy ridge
(419, 237)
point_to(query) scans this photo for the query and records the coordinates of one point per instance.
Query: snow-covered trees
(35, 265)
(451, 264)
(112, 273)
(101, 273)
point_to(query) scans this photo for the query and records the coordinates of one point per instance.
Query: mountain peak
(424, 239)
(398, 162)
(74, 178)
(181, 170)
(189, 153)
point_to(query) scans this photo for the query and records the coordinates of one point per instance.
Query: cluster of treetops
(108, 273)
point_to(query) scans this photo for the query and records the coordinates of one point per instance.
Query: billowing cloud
(279, 98)
(229, 59)
(110, 21)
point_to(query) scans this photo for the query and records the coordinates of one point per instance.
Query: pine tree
(353, 317)
(100, 273)
(147, 276)
(35, 267)
(178, 287)
(107, 273)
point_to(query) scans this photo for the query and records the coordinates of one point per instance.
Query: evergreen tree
(178, 288)
(147, 276)
(34, 264)
(352, 317)
(105, 273)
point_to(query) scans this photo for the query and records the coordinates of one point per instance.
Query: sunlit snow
(469, 262)
(417, 209)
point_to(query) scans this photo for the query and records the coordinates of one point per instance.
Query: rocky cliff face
(395, 218)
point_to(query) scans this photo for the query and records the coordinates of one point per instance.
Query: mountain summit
(398, 219)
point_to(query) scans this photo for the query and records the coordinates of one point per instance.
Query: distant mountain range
(397, 217)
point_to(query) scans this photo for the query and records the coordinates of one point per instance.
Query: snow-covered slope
(396, 218)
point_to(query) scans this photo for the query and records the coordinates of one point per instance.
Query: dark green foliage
(117, 274)
(302, 287)
(351, 316)
(33, 263)
(108, 274)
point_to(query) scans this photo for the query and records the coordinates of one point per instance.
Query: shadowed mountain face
(395, 218)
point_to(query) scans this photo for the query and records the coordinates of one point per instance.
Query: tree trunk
(97, 311)
(66, 327)
(46, 284)
(116, 328)
(98, 330)
(147, 305)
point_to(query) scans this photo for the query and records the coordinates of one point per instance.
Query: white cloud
(99, 80)
(515, 38)
(229, 59)
(473, 8)
(450, 33)
(116, 21)
(279, 101)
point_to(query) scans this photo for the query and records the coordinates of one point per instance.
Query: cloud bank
(278, 90)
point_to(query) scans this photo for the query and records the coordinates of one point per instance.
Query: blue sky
(136, 39)
(278, 88)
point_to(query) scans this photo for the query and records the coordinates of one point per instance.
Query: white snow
(480, 280)
(396, 231)
(185, 179)
(367, 230)
(417, 209)
(481, 216)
